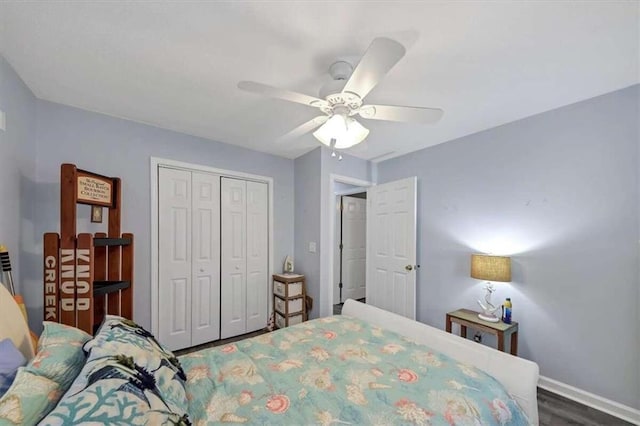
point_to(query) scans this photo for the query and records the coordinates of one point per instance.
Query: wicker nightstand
(289, 299)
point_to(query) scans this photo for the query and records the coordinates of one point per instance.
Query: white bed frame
(519, 376)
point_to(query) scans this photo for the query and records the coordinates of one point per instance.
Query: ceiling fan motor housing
(333, 87)
(340, 72)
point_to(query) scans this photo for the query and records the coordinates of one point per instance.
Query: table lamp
(490, 268)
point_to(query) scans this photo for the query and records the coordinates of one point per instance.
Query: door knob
(409, 268)
(237, 267)
(201, 269)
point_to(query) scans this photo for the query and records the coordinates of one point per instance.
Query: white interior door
(205, 312)
(353, 247)
(233, 306)
(257, 256)
(391, 249)
(174, 273)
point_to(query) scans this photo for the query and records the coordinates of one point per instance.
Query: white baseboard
(589, 399)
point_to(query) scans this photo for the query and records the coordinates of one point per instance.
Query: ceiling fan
(342, 98)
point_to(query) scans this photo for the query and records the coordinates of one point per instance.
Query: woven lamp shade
(491, 268)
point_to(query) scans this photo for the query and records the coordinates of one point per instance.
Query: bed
(366, 366)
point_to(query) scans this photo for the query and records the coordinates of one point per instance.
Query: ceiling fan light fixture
(346, 131)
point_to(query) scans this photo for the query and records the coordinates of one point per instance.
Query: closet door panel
(174, 274)
(233, 257)
(257, 255)
(205, 314)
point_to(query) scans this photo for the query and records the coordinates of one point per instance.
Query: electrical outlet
(3, 121)
(477, 337)
(312, 247)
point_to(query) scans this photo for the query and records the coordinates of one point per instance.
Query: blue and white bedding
(340, 370)
(336, 370)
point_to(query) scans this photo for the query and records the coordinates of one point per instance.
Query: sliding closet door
(257, 255)
(205, 312)
(174, 274)
(233, 307)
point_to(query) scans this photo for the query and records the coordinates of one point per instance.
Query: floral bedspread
(340, 370)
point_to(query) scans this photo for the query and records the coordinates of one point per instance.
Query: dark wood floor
(220, 342)
(554, 410)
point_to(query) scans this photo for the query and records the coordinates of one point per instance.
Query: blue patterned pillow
(117, 333)
(129, 378)
(10, 360)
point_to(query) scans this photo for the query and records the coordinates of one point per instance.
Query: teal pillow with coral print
(129, 378)
(40, 384)
(60, 355)
(10, 360)
(28, 400)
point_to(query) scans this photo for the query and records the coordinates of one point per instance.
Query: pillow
(60, 334)
(125, 335)
(28, 400)
(129, 378)
(10, 360)
(60, 355)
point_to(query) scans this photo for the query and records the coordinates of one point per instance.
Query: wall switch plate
(312, 247)
(3, 121)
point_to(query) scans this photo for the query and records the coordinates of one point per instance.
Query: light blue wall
(559, 192)
(117, 147)
(17, 173)
(307, 222)
(349, 166)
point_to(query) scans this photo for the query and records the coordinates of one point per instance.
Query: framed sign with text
(94, 189)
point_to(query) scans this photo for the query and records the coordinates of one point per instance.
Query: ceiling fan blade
(287, 95)
(380, 57)
(401, 113)
(303, 128)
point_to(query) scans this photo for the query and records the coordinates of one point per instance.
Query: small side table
(468, 318)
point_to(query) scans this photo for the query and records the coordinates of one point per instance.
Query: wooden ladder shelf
(87, 276)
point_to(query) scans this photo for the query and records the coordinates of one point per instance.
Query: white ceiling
(176, 65)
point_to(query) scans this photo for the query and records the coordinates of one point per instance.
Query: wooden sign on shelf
(94, 189)
(51, 276)
(84, 282)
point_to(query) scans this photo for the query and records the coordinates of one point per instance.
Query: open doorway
(336, 185)
(349, 266)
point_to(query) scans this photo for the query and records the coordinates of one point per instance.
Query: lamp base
(489, 318)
